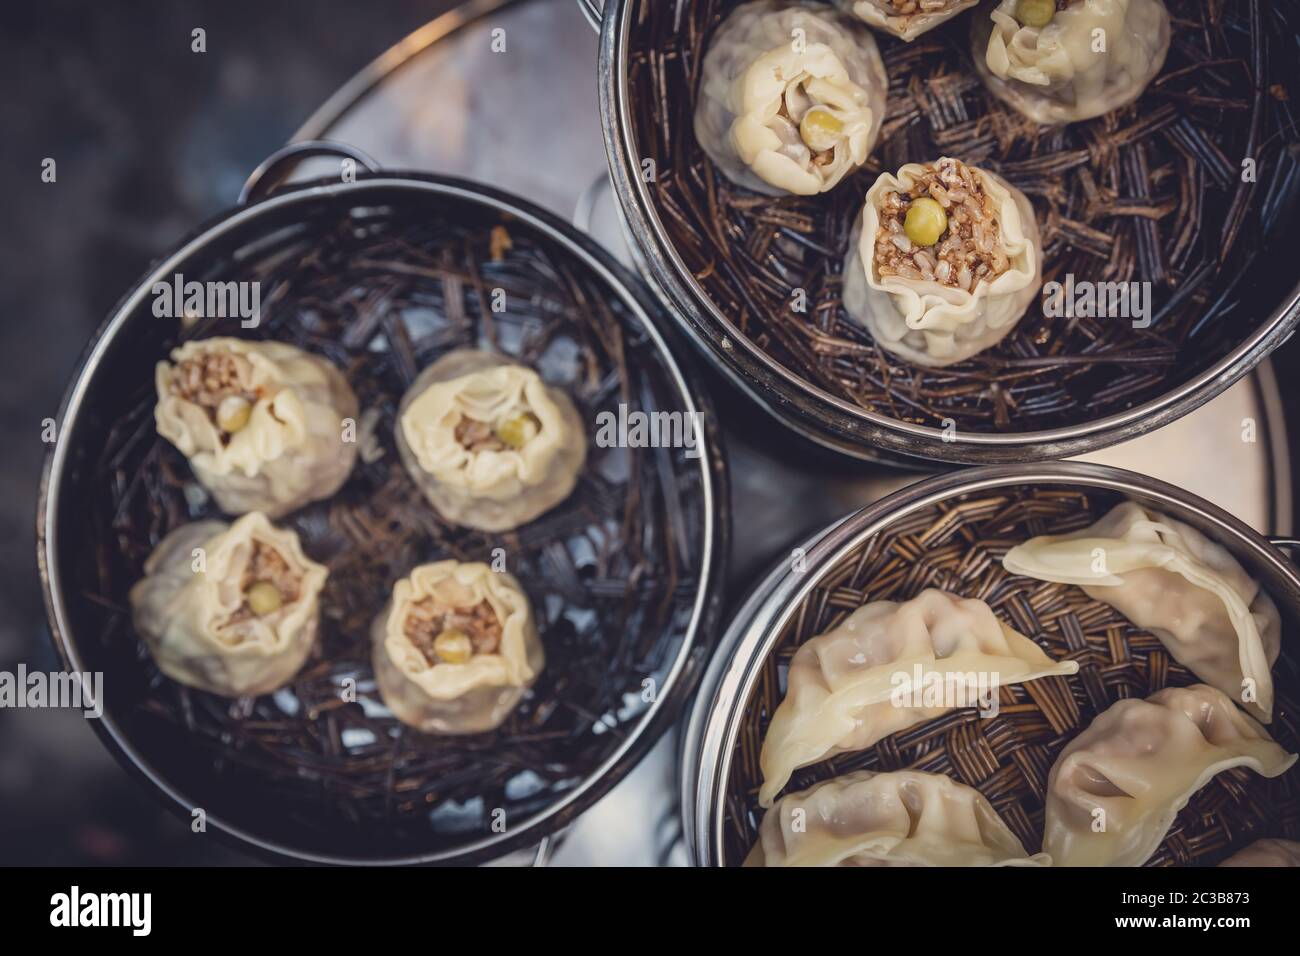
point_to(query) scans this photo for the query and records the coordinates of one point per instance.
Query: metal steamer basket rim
(808, 408)
(261, 202)
(723, 699)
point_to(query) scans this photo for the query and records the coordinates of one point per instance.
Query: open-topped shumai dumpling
(906, 19)
(944, 263)
(1062, 61)
(229, 608)
(489, 443)
(456, 648)
(792, 97)
(262, 423)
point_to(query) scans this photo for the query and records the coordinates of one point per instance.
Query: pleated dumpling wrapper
(878, 671)
(229, 608)
(1074, 61)
(1276, 853)
(903, 818)
(791, 98)
(263, 424)
(1116, 788)
(906, 19)
(455, 648)
(944, 261)
(489, 443)
(1169, 578)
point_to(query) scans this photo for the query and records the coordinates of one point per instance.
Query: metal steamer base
(710, 741)
(530, 123)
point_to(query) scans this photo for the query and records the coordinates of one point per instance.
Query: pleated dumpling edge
(857, 683)
(901, 818)
(1169, 578)
(1116, 788)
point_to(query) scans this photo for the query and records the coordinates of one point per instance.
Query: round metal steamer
(119, 352)
(720, 706)
(812, 411)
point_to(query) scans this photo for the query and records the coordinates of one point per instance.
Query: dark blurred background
(150, 140)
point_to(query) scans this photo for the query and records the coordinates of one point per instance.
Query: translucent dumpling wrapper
(1285, 853)
(791, 99)
(1116, 788)
(856, 684)
(489, 443)
(1094, 56)
(229, 608)
(906, 19)
(928, 304)
(904, 818)
(263, 424)
(456, 648)
(1170, 579)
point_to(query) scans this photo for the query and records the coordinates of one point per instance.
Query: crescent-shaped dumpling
(904, 818)
(1116, 788)
(863, 680)
(1169, 578)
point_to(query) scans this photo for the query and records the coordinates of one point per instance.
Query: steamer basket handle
(1286, 544)
(593, 11)
(275, 169)
(586, 206)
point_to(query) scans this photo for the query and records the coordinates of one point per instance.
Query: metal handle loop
(275, 169)
(593, 11)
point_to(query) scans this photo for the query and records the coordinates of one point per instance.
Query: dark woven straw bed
(958, 546)
(1153, 192)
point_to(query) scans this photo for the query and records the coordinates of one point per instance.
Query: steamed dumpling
(1091, 57)
(906, 19)
(230, 609)
(1168, 578)
(455, 648)
(904, 818)
(965, 284)
(262, 423)
(1117, 787)
(489, 443)
(856, 684)
(792, 97)
(1266, 853)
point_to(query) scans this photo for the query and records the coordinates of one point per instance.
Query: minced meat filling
(427, 619)
(512, 432)
(969, 250)
(207, 379)
(476, 436)
(266, 569)
(911, 8)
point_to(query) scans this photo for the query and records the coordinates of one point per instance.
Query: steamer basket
(307, 787)
(1265, 294)
(951, 531)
